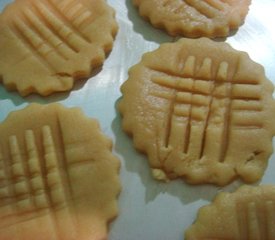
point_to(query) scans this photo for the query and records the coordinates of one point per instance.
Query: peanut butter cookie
(46, 44)
(194, 18)
(200, 110)
(248, 213)
(58, 177)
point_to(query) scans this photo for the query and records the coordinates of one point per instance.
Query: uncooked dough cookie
(195, 18)
(200, 110)
(58, 177)
(248, 213)
(46, 44)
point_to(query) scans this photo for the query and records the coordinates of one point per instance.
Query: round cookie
(194, 18)
(200, 110)
(248, 213)
(47, 44)
(58, 177)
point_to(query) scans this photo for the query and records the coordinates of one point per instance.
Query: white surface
(150, 210)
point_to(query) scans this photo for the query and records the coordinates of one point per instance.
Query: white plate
(150, 210)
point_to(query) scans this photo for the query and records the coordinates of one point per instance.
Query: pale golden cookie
(47, 44)
(194, 18)
(58, 177)
(247, 214)
(200, 110)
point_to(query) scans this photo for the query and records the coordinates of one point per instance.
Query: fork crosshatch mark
(202, 9)
(35, 188)
(199, 97)
(53, 29)
(256, 220)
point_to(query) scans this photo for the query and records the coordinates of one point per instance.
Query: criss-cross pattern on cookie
(197, 98)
